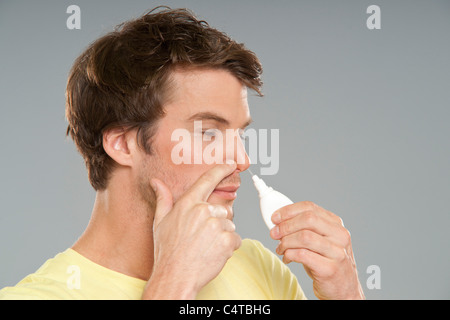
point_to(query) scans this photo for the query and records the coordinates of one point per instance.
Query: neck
(119, 235)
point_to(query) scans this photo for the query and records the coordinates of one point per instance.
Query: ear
(119, 144)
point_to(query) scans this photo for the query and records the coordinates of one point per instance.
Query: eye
(212, 133)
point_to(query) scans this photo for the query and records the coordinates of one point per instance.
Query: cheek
(177, 177)
(180, 177)
(185, 175)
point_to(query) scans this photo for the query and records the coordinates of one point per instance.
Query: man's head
(149, 77)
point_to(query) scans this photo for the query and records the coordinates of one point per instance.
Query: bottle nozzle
(270, 200)
(260, 185)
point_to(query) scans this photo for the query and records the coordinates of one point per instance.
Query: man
(164, 230)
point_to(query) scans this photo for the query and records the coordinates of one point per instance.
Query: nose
(235, 150)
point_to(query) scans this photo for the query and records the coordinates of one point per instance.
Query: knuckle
(223, 211)
(289, 254)
(217, 211)
(347, 238)
(285, 228)
(230, 226)
(227, 240)
(342, 255)
(201, 209)
(205, 210)
(309, 204)
(309, 217)
(214, 224)
(303, 254)
(334, 217)
(305, 237)
(298, 255)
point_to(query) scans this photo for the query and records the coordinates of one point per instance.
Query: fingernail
(275, 232)
(276, 217)
(277, 249)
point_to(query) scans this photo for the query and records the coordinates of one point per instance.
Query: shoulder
(36, 286)
(48, 282)
(40, 289)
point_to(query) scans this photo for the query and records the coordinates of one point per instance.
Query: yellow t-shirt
(253, 272)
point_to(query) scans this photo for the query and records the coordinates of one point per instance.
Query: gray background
(363, 118)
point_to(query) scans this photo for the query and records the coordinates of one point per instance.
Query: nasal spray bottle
(270, 200)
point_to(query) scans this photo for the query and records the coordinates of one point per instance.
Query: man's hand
(192, 238)
(317, 238)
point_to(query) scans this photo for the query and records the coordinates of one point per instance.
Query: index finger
(205, 185)
(292, 210)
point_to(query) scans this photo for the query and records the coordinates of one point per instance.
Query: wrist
(168, 287)
(359, 295)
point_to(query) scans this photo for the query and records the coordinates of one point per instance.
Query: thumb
(164, 200)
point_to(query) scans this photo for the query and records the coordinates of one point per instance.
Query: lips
(228, 188)
(227, 192)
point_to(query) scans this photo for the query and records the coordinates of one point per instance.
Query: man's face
(219, 101)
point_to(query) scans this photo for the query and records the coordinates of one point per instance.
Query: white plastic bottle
(270, 200)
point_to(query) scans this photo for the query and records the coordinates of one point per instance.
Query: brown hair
(121, 79)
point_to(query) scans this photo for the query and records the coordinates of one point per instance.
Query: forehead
(194, 91)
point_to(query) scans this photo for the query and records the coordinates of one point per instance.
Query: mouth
(227, 192)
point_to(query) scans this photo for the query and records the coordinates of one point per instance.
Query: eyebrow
(215, 117)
